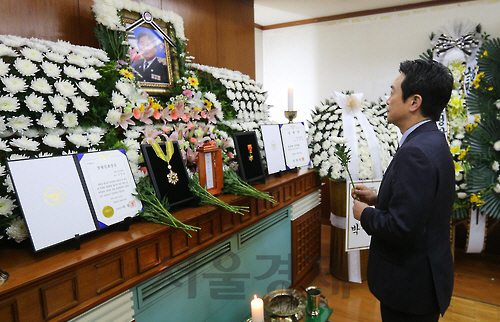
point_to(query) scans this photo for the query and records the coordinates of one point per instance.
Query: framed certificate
(273, 146)
(67, 196)
(294, 139)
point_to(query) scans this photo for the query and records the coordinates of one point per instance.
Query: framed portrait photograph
(152, 52)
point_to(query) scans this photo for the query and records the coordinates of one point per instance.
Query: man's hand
(358, 208)
(365, 195)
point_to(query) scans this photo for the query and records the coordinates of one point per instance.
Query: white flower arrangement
(107, 13)
(46, 88)
(326, 135)
(247, 98)
(457, 123)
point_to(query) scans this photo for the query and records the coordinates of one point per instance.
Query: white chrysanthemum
(65, 88)
(51, 69)
(55, 57)
(14, 84)
(34, 103)
(496, 188)
(8, 180)
(17, 230)
(3, 125)
(25, 67)
(88, 89)
(93, 61)
(91, 73)
(80, 104)
(7, 205)
(70, 120)
(78, 130)
(323, 172)
(133, 156)
(238, 95)
(48, 120)
(132, 144)
(31, 133)
(124, 87)
(210, 96)
(495, 166)
(72, 71)
(79, 140)
(53, 141)
(317, 160)
(94, 138)
(59, 103)
(318, 136)
(62, 47)
(41, 85)
(96, 130)
(113, 116)
(9, 104)
(19, 123)
(132, 134)
(77, 60)
(496, 145)
(4, 68)
(118, 100)
(230, 94)
(4, 146)
(7, 51)
(23, 143)
(32, 54)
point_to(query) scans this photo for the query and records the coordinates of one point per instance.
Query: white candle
(290, 99)
(257, 309)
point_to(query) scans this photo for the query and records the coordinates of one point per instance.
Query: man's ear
(415, 103)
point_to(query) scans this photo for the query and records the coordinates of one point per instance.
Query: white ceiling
(269, 12)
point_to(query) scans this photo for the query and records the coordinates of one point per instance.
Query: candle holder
(290, 115)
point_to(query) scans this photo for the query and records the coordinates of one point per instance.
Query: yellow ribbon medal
(172, 177)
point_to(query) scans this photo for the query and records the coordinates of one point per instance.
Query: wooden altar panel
(306, 245)
(235, 38)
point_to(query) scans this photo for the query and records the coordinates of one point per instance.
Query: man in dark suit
(410, 266)
(149, 67)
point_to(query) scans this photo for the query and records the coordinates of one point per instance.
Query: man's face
(147, 48)
(397, 109)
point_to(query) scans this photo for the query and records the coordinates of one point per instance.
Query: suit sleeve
(412, 185)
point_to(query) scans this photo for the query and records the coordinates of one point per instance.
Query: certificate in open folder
(65, 196)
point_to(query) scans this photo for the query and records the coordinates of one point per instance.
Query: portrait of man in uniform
(146, 61)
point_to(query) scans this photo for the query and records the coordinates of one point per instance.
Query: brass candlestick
(290, 115)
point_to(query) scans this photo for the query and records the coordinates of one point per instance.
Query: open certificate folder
(66, 196)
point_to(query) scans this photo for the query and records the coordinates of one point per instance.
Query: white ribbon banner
(353, 257)
(477, 229)
(349, 114)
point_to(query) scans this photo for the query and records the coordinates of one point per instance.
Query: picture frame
(178, 193)
(152, 51)
(249, 158)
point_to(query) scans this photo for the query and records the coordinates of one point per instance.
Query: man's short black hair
(431, 80)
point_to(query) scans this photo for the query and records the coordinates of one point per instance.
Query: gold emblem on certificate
(108, 211)
(250, 156)
(54, 196)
